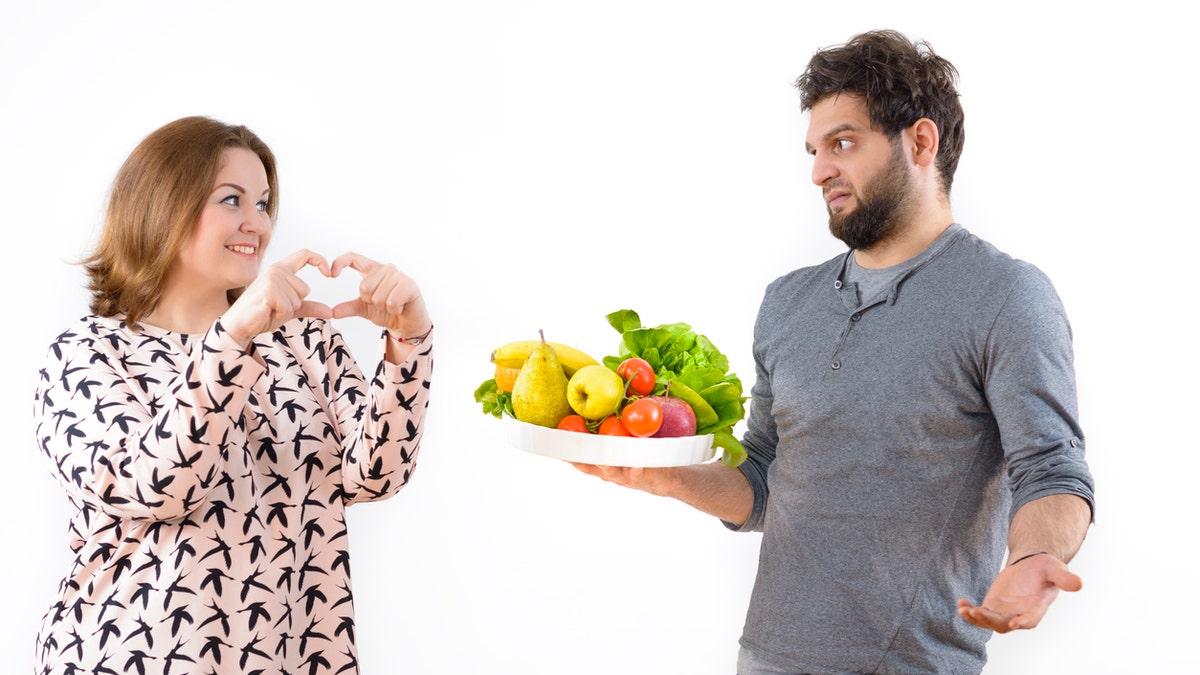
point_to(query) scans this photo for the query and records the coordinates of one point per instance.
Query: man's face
(863, 174)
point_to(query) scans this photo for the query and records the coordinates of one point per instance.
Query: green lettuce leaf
(495, 402)
(694, 369)
(733, 452)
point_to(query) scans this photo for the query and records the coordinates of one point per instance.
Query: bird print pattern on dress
(208, 487)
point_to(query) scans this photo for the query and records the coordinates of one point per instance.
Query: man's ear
(923, 135)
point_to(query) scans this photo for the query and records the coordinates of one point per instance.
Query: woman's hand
(386, 297)
(276, 296)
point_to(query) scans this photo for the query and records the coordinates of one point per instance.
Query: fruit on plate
(642, 417)
(694, 370)
(574, 423)
(506, 377)
(514, 355)
(611, 426)
(639, 374)
(495, 394)
(595, 392)
(665, 381)
(539, 395)
(678, 417)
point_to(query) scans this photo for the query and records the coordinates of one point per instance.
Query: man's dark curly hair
(901, 82)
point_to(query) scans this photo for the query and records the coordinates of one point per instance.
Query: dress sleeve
(382, 429)
(121, 448)
(1029, 381)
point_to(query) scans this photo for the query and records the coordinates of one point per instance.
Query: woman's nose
(254, 220)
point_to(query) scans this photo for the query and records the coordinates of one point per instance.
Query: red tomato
(643, 417)
(611, 426)
(638, 374)
(573, 423)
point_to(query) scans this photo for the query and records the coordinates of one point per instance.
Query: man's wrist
(1028, 556)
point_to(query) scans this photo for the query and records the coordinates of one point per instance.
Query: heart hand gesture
(386, 297)
(276, 296)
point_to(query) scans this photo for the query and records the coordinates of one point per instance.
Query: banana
(513, 355)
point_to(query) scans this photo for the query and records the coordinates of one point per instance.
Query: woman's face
(226, 248)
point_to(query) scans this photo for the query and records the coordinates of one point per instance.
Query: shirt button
(836, 364)
(856, 316)
(837, 284)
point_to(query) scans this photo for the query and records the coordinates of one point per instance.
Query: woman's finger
(305, 258)
(354, 307)
(314, 309)
(355, 261)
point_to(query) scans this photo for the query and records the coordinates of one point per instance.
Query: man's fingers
(982, 617)
(1024, 622)
(986, 618)
(589, 469)
(1066, 580)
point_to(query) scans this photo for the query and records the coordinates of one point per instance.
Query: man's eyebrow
(839, 129)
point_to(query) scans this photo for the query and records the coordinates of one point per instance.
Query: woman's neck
(180, 311)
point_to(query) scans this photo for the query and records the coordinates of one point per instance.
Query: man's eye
(843, 143)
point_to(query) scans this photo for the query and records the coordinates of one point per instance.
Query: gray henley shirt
(889, 444)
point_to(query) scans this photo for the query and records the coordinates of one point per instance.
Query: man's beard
(883, 205)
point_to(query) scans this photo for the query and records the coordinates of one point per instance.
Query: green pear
(539, 394)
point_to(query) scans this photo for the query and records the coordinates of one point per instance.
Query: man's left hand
(1021, 594)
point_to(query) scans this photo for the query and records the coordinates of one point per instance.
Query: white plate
(574, 446)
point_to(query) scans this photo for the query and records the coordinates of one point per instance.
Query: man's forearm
(1056, 524)
(714, 489)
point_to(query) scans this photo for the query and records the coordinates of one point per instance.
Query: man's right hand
(712, 487)
(656, 481)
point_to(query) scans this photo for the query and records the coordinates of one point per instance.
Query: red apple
(678, 418)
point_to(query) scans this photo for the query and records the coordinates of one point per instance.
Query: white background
(536, 165)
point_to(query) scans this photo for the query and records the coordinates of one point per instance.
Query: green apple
(595, 391)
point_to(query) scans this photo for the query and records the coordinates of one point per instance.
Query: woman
(210, 426)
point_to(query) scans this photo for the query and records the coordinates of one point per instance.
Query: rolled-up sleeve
(1030, 386)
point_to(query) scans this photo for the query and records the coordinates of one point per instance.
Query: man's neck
(908, 241)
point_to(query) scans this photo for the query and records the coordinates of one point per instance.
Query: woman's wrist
(412, 340)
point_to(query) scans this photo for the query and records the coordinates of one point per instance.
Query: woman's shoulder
(90, 329)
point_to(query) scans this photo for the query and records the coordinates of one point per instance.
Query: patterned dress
(209, 488)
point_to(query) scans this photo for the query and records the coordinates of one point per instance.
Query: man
(914, 408)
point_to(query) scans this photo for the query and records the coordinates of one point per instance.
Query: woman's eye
(262, 205)
(231, 200)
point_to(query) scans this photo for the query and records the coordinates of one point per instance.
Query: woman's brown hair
(153, 208)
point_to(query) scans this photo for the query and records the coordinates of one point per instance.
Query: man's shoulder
(982, 261)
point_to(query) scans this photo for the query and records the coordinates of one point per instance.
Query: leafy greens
(693, 369)
(495, 402)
